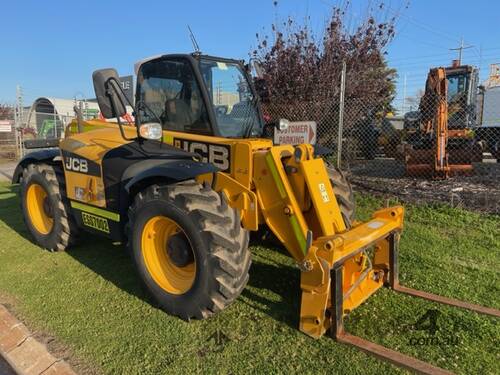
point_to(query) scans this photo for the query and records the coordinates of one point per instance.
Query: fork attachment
(341, 266)
(341, 271)
(337, 313)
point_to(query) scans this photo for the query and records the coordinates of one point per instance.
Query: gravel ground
(386, 177)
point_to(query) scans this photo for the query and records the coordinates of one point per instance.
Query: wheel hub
(47, 208)
(39, 209)
(179, 250)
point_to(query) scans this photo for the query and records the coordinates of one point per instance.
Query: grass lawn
(89, 300)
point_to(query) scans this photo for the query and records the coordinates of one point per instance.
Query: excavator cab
(462, 94)
(441, 142)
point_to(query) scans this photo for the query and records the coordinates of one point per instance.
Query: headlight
(151, 130)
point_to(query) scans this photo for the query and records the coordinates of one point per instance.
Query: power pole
(18, 121)
(403, 105)
(460, 49)
(19, 115)
(341, 114)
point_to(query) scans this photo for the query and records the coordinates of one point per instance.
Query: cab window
(171, 95)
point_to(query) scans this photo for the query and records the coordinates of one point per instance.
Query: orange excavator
(440, 143)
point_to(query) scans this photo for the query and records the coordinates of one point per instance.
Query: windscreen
(234, 103)
(457, 85)
(457, 100)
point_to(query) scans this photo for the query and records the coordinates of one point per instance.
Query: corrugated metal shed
(491, 107)
(57, 110)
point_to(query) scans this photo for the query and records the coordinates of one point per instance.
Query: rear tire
(45, 208)
(214, 235)
(344, 194)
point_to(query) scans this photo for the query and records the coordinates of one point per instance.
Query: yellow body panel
(277, 201)
(237, 181)
(97, 139)
(322, 196)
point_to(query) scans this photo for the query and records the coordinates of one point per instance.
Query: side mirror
(283, 124)
(109, 93)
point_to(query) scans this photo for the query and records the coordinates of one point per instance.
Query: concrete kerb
(24, 353)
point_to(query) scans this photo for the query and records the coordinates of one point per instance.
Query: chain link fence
(39, 129)
(446, 151)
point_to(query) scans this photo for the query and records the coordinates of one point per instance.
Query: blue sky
(51, 48)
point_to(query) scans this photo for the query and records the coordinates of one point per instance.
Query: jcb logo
(216, 154)
(76, 165)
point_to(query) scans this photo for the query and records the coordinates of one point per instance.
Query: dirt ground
(386, 177)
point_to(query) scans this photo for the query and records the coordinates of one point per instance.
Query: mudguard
(46, 156)
(144, 172)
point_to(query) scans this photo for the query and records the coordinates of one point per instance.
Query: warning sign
(298, 132)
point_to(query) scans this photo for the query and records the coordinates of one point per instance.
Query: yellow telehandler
(185, 184)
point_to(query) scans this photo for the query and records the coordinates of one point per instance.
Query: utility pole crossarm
(460, 50)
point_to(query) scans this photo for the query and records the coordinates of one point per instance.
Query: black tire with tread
(51, 177)
(344, 194)
(219, 243)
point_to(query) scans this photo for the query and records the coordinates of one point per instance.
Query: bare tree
(302, 71)
(6, 112)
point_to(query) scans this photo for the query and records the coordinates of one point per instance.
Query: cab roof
(196, 55)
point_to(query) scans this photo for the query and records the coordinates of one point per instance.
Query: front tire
(45, 209)
(344, 194)
(189, 248)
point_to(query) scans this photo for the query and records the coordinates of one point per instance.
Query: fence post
(341, 114)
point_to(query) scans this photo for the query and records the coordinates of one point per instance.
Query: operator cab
(461, 96)
(199, 94)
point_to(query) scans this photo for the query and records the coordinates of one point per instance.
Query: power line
(428, 28)
(436, 61)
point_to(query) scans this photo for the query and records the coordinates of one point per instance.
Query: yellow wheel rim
(170, 277)
(37, 203)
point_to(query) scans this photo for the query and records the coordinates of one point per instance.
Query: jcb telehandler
(185, 185)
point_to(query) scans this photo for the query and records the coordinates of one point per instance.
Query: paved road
(6, 171)
(5, 369)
